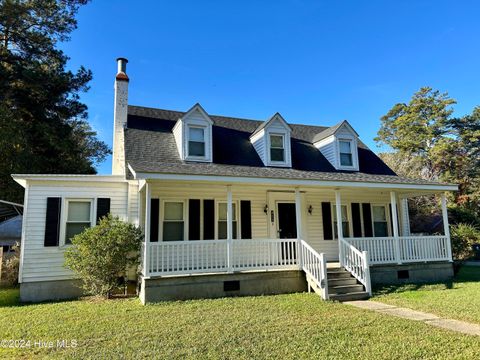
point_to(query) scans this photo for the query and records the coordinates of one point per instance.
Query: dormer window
(346, 156)
(196, 141)
(339, 145)
(193, 135)
(277, 148)
(272, 141)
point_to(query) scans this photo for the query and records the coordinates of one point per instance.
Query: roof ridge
(324, 127)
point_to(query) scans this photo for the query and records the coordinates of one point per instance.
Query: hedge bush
(102, 254)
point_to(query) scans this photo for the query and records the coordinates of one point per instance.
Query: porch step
(342, 286)
(338, 274)
(342, 281)
(359, 295)
(345, 289)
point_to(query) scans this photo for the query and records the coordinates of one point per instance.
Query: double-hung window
(173, 224)
(196, 141)
(346, 155)
(345, 222)
(380, 227)
(222, 220)
(277, 148)
(79, 217)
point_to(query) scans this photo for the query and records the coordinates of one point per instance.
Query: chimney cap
(125, 60)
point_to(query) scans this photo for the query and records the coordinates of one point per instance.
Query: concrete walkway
(427, 318)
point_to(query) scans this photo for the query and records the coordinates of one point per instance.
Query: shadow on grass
(10, 297)
(466, 274)
(406, 287)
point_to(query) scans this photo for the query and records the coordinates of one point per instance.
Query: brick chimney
(120, 117)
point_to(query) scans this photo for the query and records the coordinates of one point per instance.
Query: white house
(233, 206)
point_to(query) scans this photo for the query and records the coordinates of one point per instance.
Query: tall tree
(43, 123)
(432, 143)
(414, 129)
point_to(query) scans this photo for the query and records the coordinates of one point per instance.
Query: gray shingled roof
(267, 172)
(266, 122)
(329, 131)
(150, 148)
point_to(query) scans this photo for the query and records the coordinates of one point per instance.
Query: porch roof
(246, 174)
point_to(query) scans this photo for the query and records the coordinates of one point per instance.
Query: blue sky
(315, 62)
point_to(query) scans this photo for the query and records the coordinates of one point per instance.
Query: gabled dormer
(339, 145)
(193, 135)
(271, 140)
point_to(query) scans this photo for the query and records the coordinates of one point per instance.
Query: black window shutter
(154, 218)
(208, 219)
(103, 208)
(246, 219)
(356, 220)
(193, 219)
(327, 221)
(52, 221)
(367, 220)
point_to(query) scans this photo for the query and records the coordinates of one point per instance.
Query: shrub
(459, 214)
(11, 264)
(101, 255)
(463, 237)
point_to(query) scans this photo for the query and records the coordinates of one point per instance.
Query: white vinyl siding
(327, 148)
(46, 263)
(42, 263)
(258, 142)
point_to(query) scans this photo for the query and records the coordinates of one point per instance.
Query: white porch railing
(356, 262)
(315, 267)
(210, 256)
(187, 257)
(385, 250)
(264, 254)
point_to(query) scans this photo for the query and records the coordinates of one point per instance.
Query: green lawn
(287, 326)
(459, 299)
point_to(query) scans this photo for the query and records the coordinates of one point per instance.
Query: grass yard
(298, 326)
(457, 300)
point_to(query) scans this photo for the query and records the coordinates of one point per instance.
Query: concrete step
(360, 295)
(338, 275)
(342, 281)
(345, 289)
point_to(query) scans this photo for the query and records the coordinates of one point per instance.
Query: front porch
(247, 232)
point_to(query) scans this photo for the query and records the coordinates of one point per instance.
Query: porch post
(146, 248)
(338, 209)
(405, 217)
(298, 219)
(446, 227)
(229, 229)
(393, 202)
